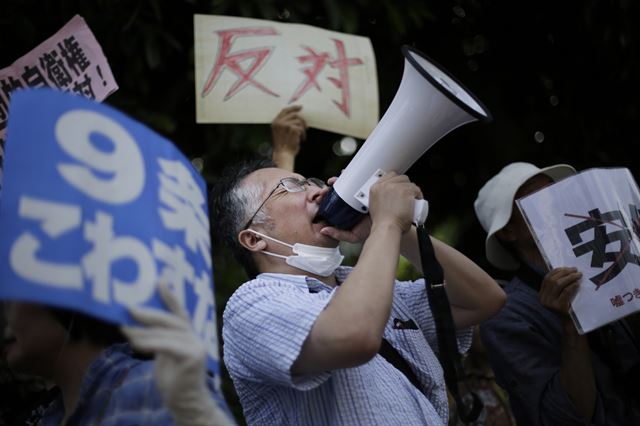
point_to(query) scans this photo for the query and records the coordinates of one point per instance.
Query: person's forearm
(410, 249)
(284, 159)
(349, 331)
(474, 296)
(576, 371)
(198, 410)
(364, 299)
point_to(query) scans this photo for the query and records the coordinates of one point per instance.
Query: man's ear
(251, 241)
(506, 234)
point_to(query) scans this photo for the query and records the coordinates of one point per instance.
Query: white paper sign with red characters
(247, 70)
(591, 221)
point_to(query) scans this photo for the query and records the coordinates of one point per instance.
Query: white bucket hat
(495, 201)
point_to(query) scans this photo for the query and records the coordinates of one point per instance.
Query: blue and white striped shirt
(267, 320)
(119, 390)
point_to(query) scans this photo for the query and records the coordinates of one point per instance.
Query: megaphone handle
(420, 212)
(420, 207)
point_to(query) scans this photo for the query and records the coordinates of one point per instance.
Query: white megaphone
(429, 104)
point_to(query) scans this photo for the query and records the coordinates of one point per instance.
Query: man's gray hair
(231, 204)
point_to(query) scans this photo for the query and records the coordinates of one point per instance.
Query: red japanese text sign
(247, 70)
(71, 60)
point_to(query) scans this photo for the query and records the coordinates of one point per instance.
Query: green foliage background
(566, 69)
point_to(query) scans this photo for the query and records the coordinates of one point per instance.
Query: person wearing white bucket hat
(494, 205)
(553, 375)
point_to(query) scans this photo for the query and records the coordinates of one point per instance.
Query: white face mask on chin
(321, 261)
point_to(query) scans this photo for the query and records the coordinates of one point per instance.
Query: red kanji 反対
(225, 59)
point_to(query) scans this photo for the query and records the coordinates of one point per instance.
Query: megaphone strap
(445, 330)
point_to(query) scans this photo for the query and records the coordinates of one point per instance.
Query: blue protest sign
(96, 209)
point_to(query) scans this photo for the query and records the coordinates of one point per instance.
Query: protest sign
(70, 60)
(247, 70)
(591, 221)
(96, 210)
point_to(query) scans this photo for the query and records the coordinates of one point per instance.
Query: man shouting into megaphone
(308, 341)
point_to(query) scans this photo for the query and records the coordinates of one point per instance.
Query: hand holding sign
(288, 129)
(180, 361)
(558, 288)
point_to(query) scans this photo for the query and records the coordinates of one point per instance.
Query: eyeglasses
(290, 184)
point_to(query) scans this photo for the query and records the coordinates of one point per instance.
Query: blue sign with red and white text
(96, 209)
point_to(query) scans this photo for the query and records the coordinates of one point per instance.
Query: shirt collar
(313, 284)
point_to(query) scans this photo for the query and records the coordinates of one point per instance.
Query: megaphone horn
(428, 104)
